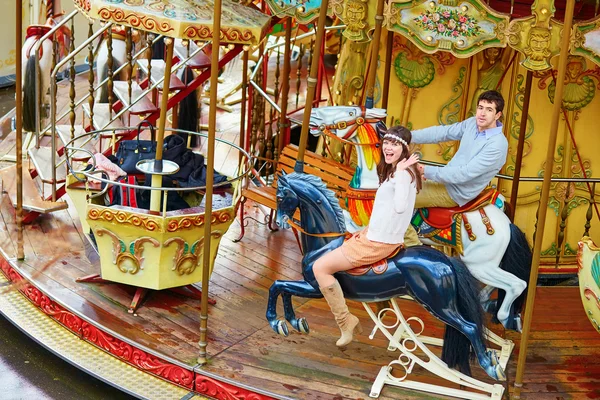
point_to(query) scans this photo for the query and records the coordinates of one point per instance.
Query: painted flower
(448, 22)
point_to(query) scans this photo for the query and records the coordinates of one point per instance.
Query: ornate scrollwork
(133, 252)
(122, 217)
(187, 257)
(220, 217)
(536, 36)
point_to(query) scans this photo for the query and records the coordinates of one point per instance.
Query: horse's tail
(188, 110)
(29, 100)
(516, 260)
(103, 76)
(456, 350)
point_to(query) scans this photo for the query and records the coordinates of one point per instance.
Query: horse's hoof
(500, 374)
(282, 328)
(303, 325)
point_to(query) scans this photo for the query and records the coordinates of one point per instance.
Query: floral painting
(449, 23)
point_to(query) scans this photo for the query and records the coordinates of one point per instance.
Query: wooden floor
(563, 361)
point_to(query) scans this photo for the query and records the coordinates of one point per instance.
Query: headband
(396, 138)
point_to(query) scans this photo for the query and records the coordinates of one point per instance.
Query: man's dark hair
(493, 96)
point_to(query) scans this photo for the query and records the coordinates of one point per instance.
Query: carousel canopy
(184, 19)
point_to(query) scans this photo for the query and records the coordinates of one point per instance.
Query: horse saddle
(442, 225)
(378, 267)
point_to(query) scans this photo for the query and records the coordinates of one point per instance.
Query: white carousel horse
(31, 77)
(588, 260)
(495, 250)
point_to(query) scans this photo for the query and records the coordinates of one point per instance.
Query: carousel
(153, 257)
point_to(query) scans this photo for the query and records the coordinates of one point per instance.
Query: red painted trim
(558, 270)
(225, 391)
(175, 374)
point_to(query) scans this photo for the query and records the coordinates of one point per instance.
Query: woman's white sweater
(393, 209)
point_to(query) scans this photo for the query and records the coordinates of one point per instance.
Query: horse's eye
(351, 113)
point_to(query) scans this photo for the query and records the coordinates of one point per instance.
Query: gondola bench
(335, 175)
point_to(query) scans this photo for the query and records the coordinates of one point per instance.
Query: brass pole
(388, 69)
(285, 87)
(543, 208)
(157, 179)
(520, 145)
(311, 85)
(19, 131)
(374, 55)
(210, 168)
(243, 110)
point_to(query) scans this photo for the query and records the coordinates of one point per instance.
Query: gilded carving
(491, 64)
(9, 61)
(133, 252)
(586, 40)
(123, 218)
(219, 217)
(580, 84)
(537, 36)
(187, 257)
(462, 28)
(355, 17)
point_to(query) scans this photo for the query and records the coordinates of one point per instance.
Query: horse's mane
(321, 187)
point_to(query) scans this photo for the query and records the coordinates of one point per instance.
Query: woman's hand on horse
(405, 163)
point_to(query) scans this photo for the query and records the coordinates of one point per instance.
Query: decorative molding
(219, 217)
(124, 218)
(537, 36)
(124, 351)
(461, 29)
(133, 252)
(224, 391)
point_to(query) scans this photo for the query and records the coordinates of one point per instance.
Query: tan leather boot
(347, 322)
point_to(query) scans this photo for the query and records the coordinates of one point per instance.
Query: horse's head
(342, 121)
(287, 202)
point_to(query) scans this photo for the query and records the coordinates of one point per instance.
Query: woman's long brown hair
(386, 171)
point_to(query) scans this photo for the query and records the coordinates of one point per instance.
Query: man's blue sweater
(479, 158)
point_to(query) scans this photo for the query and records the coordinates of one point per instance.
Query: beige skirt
(361, 251)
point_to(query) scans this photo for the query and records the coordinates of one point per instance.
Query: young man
(481, 154)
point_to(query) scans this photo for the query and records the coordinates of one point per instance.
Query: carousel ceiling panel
(185, 19)
(462, 28)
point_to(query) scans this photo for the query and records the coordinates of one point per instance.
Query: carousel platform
(152, 353)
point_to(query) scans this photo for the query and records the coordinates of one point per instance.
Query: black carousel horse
(441, 284)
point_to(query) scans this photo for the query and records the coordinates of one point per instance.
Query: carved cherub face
(539, 43)
(574, 68)
(492, 54)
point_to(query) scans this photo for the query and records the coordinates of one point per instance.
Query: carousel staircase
(104, 118)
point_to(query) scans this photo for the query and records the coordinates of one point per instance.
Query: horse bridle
(354, 124)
